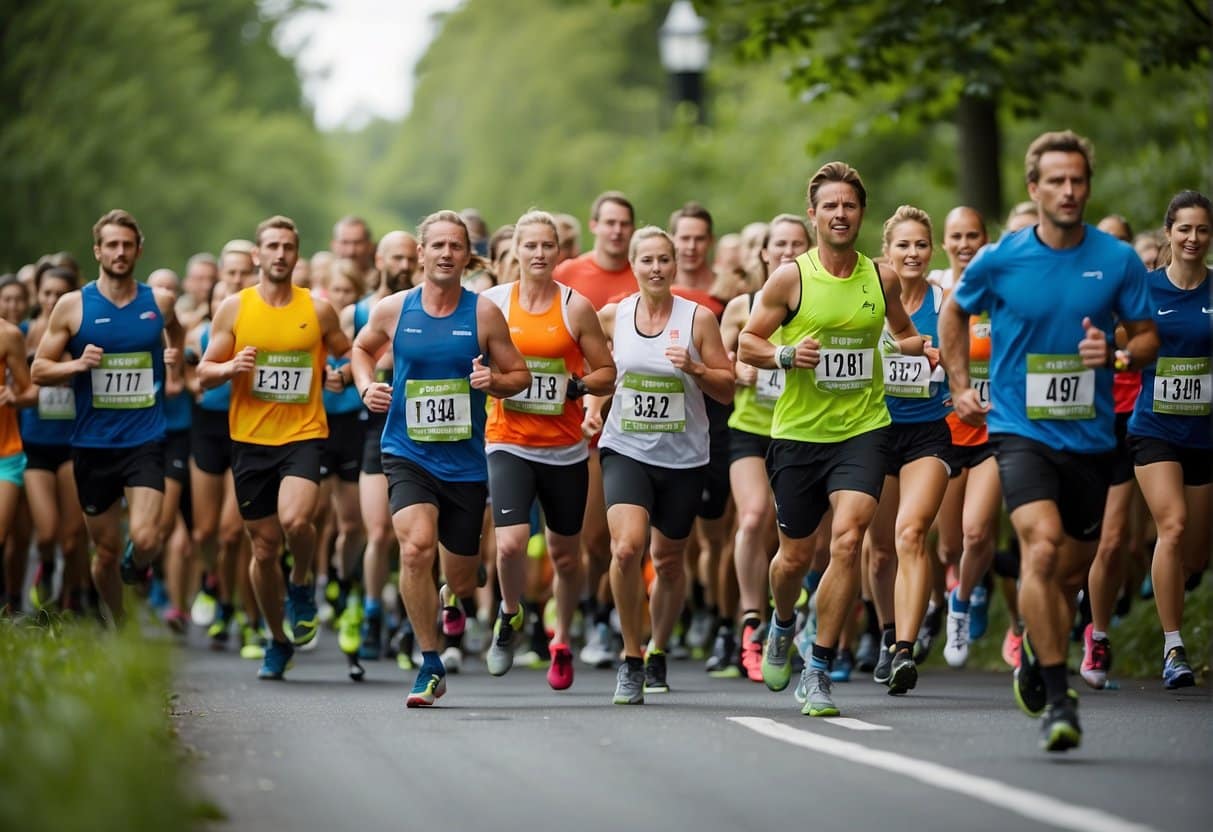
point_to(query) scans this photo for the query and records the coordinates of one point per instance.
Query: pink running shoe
(751, 654)
(176, 620)
(454, 620)
(1096, 659)
(1011, 643)
(560, 673)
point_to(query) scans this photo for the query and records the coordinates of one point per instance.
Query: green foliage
(181, 112)
(85, 732)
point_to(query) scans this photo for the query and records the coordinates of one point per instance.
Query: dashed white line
(856, 724)
(1029, 804)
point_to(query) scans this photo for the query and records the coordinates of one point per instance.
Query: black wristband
(576, 388)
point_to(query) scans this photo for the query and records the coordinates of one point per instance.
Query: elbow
(37, 372)
(602, 385)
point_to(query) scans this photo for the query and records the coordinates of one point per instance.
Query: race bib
(123, 381)
(907, 376)
(979, 380)
(846, 363)
(1060, 387)
(652, 404)
(56, 403)
(283, 377)
(549, 385)
(769, 386)
(438, 410)
(1183, 386)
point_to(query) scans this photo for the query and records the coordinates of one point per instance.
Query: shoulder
(498, 294)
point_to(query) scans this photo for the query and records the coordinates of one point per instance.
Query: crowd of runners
(791, 457)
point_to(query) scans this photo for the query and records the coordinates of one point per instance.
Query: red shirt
(599, 286)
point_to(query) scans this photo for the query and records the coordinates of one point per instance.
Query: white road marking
(856, 724)
(1029, 804)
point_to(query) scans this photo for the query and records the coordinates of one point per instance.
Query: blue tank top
(52, 419)
(119, 404)
(348, 400)
(436, 420)
(912, 395)
(178, 413)
(216, 399)
(1174, 403)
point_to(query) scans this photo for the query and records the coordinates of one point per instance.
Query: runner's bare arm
(954, 355)
(600, 380)
(900, 326)
(49, 368)
(780, 295)
(219, 364)
(13, 344)
(714, 373)
(374, 340)
(507, 368)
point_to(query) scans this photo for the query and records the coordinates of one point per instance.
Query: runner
(1054, 293)
(270, 341)
(535, 445)
(828, 436)
(1169, 429)
(114, 330)
(668, 354)
(14, 381)
(450, 349)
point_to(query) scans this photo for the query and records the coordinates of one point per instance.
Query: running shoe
(884, 662)
(724, 648)
(958, 629)
(176, 621)
(560, 673)
(655, 672)
(699, 635)
(302, 616)
(597, 651)
(157, 593)
(816, 690)
(252, 643)
(454, 620)
(751, 653)
(931, 625)
(349, 629)
(776, 657)
(1096, 658)
(130, 571)
(1028, 683)
(1059, 728)
(219, 631)
(903, 676)
(202, 610)
(629, 686)
(277, 660)
(452, 659)
(500, 657)
(1176, 672)
(1010, 647)
(429, 686)
(477, 635)
(868, 652)
(371, 646)
(843, 665)
(979, 612)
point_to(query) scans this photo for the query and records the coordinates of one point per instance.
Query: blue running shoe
(843, 665)
(979, 612)
(1176, 672)
(302, 615)
(130, 571)
(277, 660)
(429, 686)
(371, 647)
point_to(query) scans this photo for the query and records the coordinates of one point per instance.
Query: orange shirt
(280, 401)
(541, 416)
(10, 433)
(586, 277)
(979, 367)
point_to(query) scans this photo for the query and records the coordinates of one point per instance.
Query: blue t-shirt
(1174, 403)
(907, 378)
(1037, 298)
(126, 407)
(436, 419)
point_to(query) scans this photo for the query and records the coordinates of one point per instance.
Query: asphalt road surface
(319, 752)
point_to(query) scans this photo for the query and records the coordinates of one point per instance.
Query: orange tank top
(10, 434)
(280, 401)
(541, 416)
(979, 377)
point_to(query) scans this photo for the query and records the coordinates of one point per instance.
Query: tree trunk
(980, 148)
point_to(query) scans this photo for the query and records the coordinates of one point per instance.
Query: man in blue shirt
(1054, 292)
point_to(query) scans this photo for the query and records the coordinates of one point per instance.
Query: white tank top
(657, 415)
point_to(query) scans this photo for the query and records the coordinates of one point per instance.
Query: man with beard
(270, 341)
(114, 331)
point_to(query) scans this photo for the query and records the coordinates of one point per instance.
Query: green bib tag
(979, 380)
(1059, 387)
(549, 386)
(283, 377)
(438, 410)
(907, 376)
(123, 381)
(1183, 386)
(652, 404)
(56, 404)
(847, 361)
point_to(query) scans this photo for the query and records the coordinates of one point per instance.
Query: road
(319, 752)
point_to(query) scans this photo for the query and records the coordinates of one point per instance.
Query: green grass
(85, 735)
(1136, 639)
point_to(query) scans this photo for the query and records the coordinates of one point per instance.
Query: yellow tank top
(280, 401)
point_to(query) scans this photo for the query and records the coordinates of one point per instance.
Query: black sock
(588, 607)
(785, 624)
(873, 625)
(751, 618)
(903, 645)
(469, 606)
(726, 624)
(1056, 683)
(888, 635)
(824, 654)
(603, 614)
(697, 595)
(634, 663)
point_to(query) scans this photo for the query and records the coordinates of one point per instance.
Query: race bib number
(907, 376)
(1060, 387)
(979, 380)
(652, 404)
(769, 386)
(123, 381)
(846, 363)
(438, 410)
(283, 377)
(1183, 386)
(56, 403)
(549, 386)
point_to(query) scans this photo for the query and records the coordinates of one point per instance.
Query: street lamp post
(684, 55)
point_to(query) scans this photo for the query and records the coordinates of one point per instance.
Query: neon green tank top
(754, 407)
(844, 395)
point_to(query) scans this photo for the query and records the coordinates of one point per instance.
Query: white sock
(1098, 635)
(1170, 640)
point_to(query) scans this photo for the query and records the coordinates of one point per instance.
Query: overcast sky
(357, 56)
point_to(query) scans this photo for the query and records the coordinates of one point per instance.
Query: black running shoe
(1059, 728)
(903, 675)
(655, 673)
(884, 662)
(724, 650)
(1028, 683)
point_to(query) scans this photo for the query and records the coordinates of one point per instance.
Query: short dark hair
(117, 216)
(1057, 141)
(836, 172)
(692, 211)
(616, 197)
